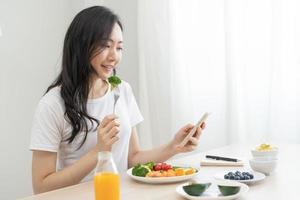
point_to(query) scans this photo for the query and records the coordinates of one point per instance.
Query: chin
(104, 76)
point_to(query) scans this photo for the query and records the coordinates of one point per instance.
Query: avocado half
(196, 189)
(229, 190)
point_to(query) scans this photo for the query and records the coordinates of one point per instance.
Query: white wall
(30, 50)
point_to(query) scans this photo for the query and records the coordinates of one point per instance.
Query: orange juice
(107, 186)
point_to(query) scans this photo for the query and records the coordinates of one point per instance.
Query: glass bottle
(106, 178)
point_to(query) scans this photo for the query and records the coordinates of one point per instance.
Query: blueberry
(251, 176)
(247, 177)
(226, 176)
(243, 177)
(231, 177)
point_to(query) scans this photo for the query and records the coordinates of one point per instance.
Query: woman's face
(105, 60)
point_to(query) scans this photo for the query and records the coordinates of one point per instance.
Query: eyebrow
(114, 41)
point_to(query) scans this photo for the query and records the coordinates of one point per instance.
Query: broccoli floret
(140, 170)
(114, 81)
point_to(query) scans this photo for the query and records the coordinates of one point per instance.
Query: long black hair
(89, 31)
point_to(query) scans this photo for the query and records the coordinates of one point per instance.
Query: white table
(282, 184)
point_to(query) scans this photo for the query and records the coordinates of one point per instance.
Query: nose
(113, 55)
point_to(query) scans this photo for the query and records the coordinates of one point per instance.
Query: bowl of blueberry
(240, 176)
(237, 175)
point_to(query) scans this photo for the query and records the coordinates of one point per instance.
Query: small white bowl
(268, 153)
(264, 158)
(265, 167)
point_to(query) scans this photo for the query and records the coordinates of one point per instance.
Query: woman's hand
(181, 134)
(108, 131)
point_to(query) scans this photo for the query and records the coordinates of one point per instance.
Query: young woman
(74, 119)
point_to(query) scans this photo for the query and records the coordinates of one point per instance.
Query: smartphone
(193, 131)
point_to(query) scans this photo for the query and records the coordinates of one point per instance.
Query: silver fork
(116, 97)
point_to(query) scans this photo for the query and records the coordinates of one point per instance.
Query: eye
(119, 48)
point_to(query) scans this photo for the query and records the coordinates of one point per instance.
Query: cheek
(96, 61)
(93, 63)
(119, 57)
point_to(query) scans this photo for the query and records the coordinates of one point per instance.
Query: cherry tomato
(157, 167)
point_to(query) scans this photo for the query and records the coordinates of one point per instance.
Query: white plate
(172, 179)
(257, 176)
(212, 193)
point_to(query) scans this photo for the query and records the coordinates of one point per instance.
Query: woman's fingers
(108, 132)
(111, 124)
(113, 140)
(107, 136)
(203, 125)
(110, 137)
(193, 141)
(198, 132)
(107, 120)
(187, 127)
(113, 132)
(191, 147)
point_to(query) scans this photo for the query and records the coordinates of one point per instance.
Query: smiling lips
(108, 68)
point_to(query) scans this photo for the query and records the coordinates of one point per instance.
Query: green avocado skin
(196, 189)
(229, 190)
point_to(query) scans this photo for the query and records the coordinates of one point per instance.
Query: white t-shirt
(50, 128)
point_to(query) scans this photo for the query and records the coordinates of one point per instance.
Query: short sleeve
(133, 109)
(46, 128)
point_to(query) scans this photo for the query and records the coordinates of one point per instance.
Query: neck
(98, 88)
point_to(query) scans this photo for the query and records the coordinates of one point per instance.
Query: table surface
(281, 184)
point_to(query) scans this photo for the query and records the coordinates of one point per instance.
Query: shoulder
(49, 112)
(125, 88)
(53, 101)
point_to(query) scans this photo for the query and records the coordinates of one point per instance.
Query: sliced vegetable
(189, 171)
(196, 189)
(229, 190)
(179, 172)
